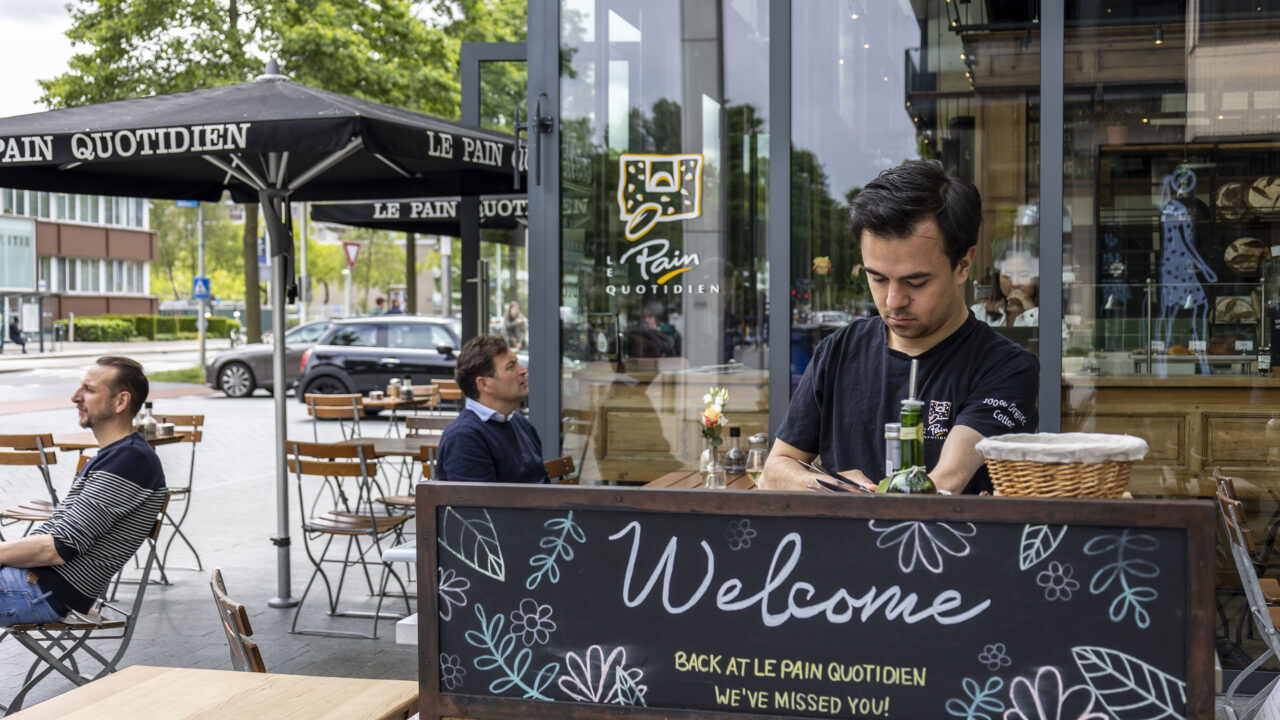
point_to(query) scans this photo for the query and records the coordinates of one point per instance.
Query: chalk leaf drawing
(474, 540)
(1045, 700)
(981, 703)
(595, 677)
(560, 547)
(1038, 542)
(532, 622)
(1129, 687)
(1123, 573)
(994, 656)
(923, 542)
(451, 671)
(629, 693)
(739, 534)
(453, 591)
(1057, 581)
(513, 669)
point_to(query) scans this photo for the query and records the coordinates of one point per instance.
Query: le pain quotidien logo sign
(656, 189)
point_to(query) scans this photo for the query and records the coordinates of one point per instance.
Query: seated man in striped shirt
(66, 563)
(490, 441)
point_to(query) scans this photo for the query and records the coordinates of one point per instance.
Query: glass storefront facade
(1164, 130)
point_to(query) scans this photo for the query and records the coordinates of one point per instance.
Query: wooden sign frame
(1195, 517)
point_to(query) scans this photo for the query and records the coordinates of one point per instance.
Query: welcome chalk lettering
(838, 608)
(160, 141)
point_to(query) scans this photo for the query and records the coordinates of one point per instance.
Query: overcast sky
(33, 47)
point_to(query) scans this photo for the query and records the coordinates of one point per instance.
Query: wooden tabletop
(142, 691)
(86, 441)
(391, 403)
(692, 479)
(411, 446)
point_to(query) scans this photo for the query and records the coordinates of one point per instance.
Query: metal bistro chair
(417, 426)
(1258, 594)
(245, 655)
(321, 462)
(190, 427)
(31, 451)
(450, 394)
(347, 409)
(102, 634)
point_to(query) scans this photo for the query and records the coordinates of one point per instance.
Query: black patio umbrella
(271, 141)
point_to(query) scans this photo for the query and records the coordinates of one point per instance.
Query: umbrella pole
(280, 246)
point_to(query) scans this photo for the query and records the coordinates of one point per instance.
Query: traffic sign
(352, 249)
(186, 203)
(200, 288)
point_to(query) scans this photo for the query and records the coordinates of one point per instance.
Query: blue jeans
(21, 602)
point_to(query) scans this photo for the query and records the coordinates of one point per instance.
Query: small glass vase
(711, 465)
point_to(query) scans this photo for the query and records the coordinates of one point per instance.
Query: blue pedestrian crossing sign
(200, 288)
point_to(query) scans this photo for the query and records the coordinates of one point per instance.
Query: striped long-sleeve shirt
(111, 509)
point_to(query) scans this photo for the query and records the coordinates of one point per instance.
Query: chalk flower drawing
(994, 656)
(532, 622)
(513, 669)
(1129, 687)
(451, 671)
(925, 542)
(600, 679)
(453, 591)
(560, 548)
(739, 534)
(1038, 542)
(1045, 699)
(981, 702)
(1123, 573)
(1057, 581)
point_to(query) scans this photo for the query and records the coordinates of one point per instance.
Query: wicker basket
(1066, 465)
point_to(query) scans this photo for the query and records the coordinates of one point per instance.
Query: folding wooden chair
(316, 463)
(450, 394)
(62, 646)
(29, 451)
(1259, 593)
(245, 655)
(580, 423)
(560, 470)
(347, 409)
(190, 427)
(417, 426)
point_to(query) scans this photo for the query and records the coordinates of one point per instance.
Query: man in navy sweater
(491, 441)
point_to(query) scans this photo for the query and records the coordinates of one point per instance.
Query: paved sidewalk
(12, 359)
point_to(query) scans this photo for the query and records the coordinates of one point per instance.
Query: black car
(363, 354)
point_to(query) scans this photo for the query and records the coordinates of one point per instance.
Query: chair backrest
(35, 450)
(423, 424)
(1241, 541)
(347, 406)
(190, 427)
(245, 655)
(581, 422)
(328, 461)
(560, 470)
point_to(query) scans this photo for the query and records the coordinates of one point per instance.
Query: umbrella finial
(272, 73)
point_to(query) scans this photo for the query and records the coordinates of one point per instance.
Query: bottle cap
(912, 403)
(735, 431)
(892, 429)
(759, 439)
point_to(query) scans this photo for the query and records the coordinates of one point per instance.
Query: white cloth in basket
(1086, 448)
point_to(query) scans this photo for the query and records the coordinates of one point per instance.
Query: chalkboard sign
(553, 601)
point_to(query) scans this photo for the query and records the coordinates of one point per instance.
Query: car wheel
(326, 385)
(236, 380)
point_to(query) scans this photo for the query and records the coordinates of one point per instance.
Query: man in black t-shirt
(917, 226)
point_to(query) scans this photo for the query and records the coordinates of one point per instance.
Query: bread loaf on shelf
(1264, 197)
(1231, 203)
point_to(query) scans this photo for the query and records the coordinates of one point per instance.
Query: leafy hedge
(149, 327)
(100, 329)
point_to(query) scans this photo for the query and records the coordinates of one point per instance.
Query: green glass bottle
(911, 478)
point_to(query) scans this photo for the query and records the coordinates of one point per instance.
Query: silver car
(239, 371)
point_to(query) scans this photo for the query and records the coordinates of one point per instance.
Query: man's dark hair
(891, 205)
(476, 360)
(130, 377)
